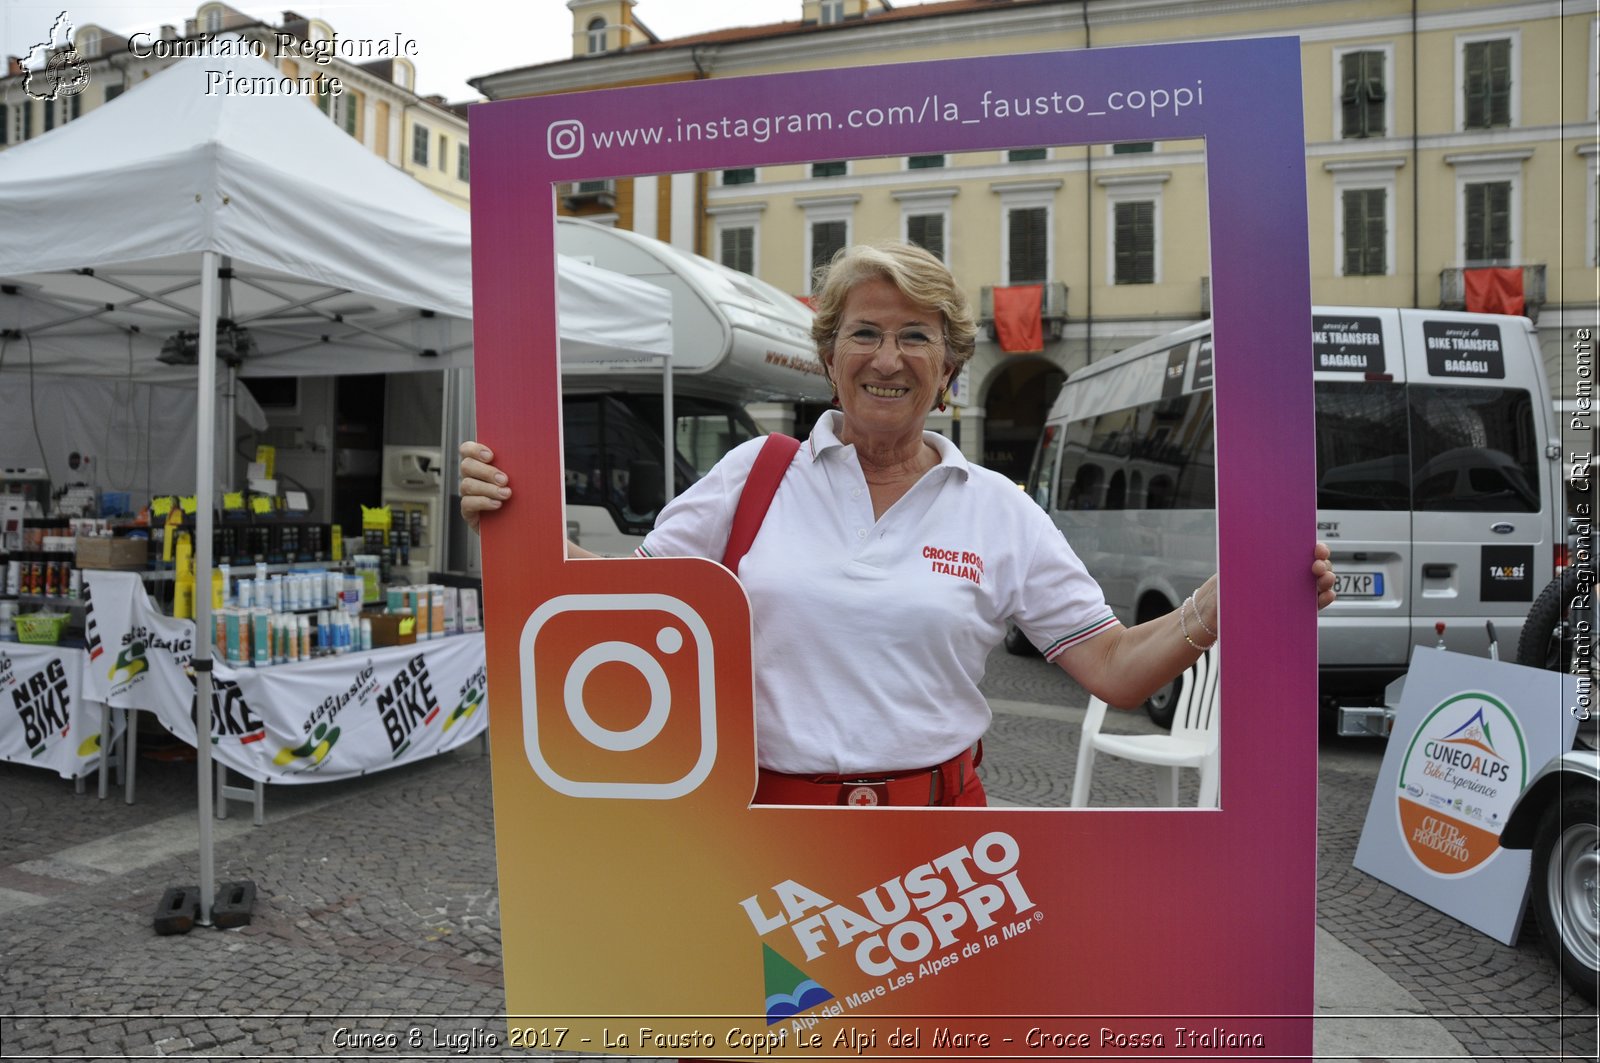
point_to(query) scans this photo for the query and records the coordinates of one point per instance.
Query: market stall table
(326, 718)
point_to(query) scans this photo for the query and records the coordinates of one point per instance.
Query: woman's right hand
(484, 488)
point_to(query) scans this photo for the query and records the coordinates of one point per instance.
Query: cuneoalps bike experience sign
(1468, 736)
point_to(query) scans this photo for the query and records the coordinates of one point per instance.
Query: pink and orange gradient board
(647, 908)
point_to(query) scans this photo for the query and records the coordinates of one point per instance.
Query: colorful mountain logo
(1474, 733)
(789, 989)
(130, 660)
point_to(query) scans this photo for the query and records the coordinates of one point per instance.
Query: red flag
(1495, 291)
(1017, 318)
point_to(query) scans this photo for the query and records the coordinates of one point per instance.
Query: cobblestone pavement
(377, 904)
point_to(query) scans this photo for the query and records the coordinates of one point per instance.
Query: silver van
(1438, 483)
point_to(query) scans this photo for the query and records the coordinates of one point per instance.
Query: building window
(463, 164)
(5, 123)
(342, 109)
(419, 145)
(828, 238)
(924, 162)
(1486, 207)
(112, 92)
(1362, 94)
(1134, 237)
(49, 115)
(1486, 83)
(829, 169)
(74, 106)
(25, 121)
(1134, 147)
(1365, 231)
(1026, 154)
(831, 12)
(744, 176)
(738, 250)
(829, 223)
(90, 44)
(444, 152)
(596, 33)
(213, 20)
(927, 231)
(1028, 245)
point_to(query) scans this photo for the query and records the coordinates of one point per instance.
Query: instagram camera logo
(618, 696)
(564, 139)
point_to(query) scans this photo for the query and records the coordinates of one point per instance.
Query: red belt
(938, 785)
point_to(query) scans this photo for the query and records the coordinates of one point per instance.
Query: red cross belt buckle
(864, 795)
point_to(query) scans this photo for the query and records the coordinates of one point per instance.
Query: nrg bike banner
(46, 719)
(313, 721)
(650, 910)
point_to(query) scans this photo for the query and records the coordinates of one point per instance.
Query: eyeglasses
(866, 339)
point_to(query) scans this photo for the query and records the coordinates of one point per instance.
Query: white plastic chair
(1192, 743)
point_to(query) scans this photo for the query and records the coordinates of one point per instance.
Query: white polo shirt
(871, 635)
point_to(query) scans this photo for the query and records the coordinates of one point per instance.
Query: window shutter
(1350, 93)
(739, 249)
(927, 231)
(1488, 208)
(1499, 79)
(1027, 256)
(1135, 243)
(1488, 84)
(1376, 224)
(827, 239)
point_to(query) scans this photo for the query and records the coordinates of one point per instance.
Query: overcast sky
(456, 39)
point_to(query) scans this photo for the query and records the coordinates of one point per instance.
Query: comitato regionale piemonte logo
(63, 72)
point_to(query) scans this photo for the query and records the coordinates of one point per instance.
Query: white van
(736, 340)
(1438, 484)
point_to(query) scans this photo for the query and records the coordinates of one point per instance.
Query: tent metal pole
(204, 488)
(232, 412)
(669, 451)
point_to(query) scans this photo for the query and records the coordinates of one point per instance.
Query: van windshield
(1472, 449)
(613, 450)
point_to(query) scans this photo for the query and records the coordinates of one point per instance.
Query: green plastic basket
(44, 628)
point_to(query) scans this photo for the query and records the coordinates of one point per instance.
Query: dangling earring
(836, 400)
(944, 397)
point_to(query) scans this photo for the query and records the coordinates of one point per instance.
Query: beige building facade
(375, 100)
(1440, 135)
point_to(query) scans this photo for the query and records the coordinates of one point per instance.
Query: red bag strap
(756, 497)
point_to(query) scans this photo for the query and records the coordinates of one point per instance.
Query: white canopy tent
(126, 235)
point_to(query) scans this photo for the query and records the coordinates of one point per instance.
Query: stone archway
(1019, 396)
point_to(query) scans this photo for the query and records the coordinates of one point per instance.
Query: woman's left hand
(1322, 572)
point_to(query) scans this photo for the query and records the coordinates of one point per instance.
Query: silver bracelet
(1199, 618)
(1183, 624)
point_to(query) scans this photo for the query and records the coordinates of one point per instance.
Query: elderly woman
(888, 565)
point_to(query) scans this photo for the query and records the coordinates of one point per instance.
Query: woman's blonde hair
(919, 276)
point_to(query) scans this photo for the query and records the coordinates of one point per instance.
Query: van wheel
(1163, 704)
(1566, 888)
(1546, 640)
(1017, 643)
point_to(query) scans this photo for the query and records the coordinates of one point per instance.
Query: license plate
(1358, 584)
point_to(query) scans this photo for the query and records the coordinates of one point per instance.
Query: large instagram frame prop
(638, 886)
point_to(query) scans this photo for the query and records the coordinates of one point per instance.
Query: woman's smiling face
(888, 392)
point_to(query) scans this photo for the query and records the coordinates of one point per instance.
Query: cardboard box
(386, 628)
(127, 555)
